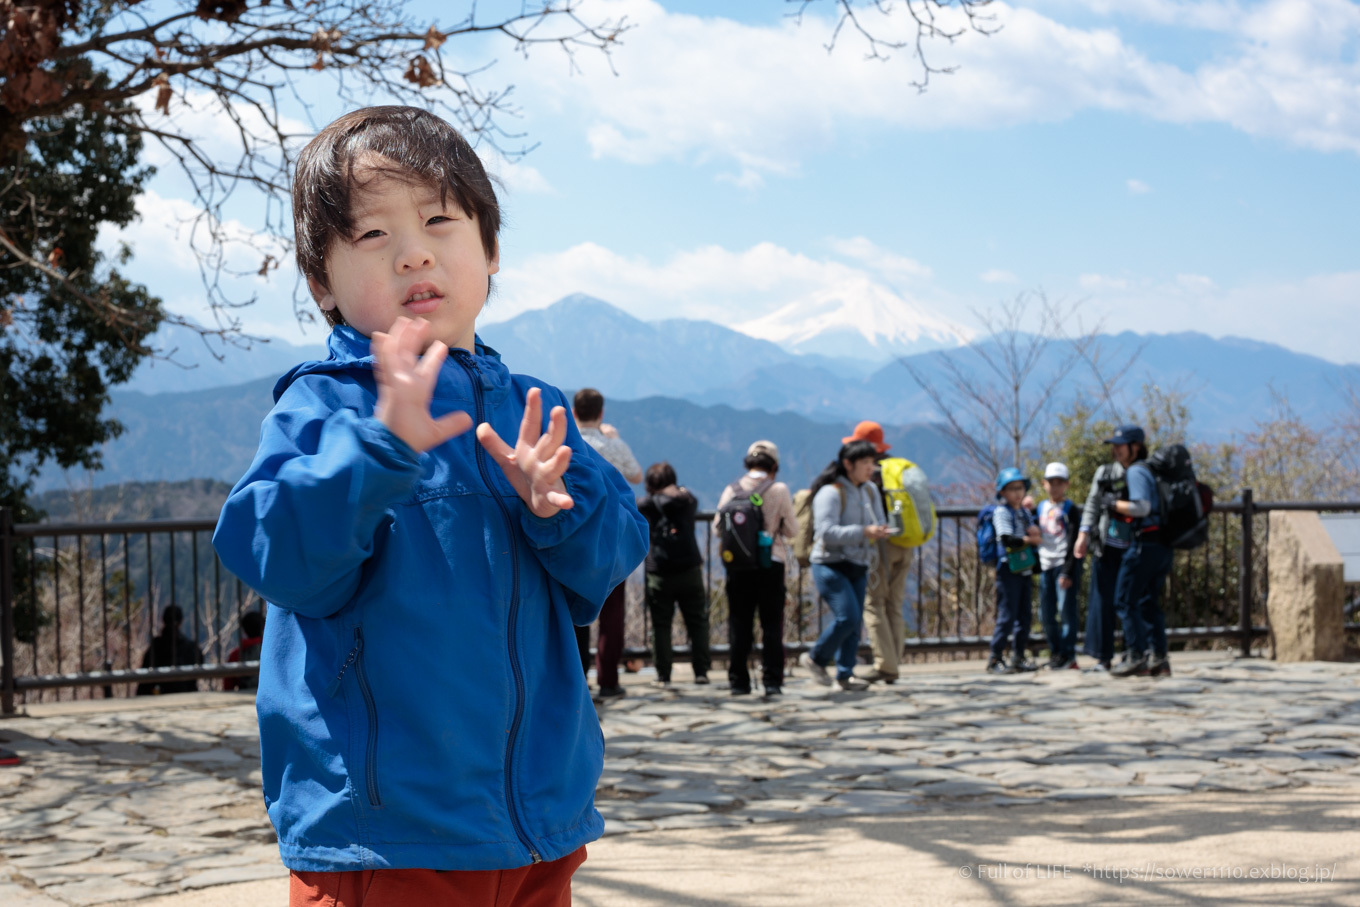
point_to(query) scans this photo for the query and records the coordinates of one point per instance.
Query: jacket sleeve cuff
(545, 532)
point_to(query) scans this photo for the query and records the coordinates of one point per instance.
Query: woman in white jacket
(848, 523)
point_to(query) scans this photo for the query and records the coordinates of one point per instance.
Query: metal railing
(78, 601)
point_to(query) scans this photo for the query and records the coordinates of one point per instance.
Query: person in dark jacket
(675, 574)
(171, 649)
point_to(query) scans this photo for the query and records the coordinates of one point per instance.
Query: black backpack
(1185, 501)
(741, 523)
(667, 539)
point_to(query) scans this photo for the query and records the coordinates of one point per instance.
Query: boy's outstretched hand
(406, 382)
(537, 461)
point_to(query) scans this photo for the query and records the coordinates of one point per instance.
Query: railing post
(6, 611)
(1246, 578)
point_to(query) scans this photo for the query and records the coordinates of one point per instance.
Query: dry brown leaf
(163, 93)
(266, 267)
(319, 63)
(6, 318)
(421, 73)
(434, 39)
(54, 258)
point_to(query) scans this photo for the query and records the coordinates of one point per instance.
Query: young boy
(425, 731)
(252, 638)
(1061, 577)
(1018, 536)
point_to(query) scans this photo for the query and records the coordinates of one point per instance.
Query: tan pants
(883, 606)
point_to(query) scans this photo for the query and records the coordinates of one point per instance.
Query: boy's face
(411, 256)
(1056, 488)
(1014, 493)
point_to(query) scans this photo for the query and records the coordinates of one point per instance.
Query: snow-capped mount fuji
(859, 319)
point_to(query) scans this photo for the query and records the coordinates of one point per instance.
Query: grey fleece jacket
(839, 514)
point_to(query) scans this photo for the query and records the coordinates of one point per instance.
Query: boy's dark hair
(762, 461)
(417, 147)
(588, 404)
(659, 475)
(252, 624)
(172, 616)
(1140, 451)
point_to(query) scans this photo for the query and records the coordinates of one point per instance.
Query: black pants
(751, 592)
(685, 589)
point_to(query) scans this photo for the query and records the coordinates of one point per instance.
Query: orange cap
(869, 431)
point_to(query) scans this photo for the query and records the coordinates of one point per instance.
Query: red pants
(539, 885)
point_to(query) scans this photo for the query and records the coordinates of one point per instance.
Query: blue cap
(1126, 434)
(1007, 476)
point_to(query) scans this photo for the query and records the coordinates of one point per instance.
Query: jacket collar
(348, 349)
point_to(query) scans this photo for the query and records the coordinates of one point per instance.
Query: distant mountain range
(580, 341)
(697, 393)
(213, 433)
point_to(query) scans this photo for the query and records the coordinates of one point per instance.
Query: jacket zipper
(471, 367)
(353, 659)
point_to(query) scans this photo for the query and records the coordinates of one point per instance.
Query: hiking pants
(608, 643)
(1014, 611)
(1138, 598)
(1100, 611)
(664, 593)
(1058, 612)
(759, 590)
(883, 599)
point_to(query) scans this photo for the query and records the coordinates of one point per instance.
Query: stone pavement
(138, 802)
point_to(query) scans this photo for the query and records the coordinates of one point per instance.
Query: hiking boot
(817, 671)
(662, 684)
(701, 679)
(877, 676)
(997, 666)
(1023, 666)
(851, 684)
(1131, 667)
(1100, 667)
(610, 693)
(771, 692)
(1159, 667)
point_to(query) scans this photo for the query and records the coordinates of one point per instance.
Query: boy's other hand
(1083, 542)
(608, 430)
(1032, 535)
(536, 463)
(877, 533)
(406, 382)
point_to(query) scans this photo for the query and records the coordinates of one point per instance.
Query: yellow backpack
(907, 491)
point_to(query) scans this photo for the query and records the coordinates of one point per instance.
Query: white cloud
(1301, 315)
(711, 90)
(1138, 187)
(888, 264)
(997, 275)
(1101, 282)
(709, 282)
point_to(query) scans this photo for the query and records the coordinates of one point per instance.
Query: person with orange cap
(887, 584)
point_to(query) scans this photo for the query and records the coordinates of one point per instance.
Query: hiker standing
(849, 523)
(674, 572)
(1138, 590)
(588, 408)
(753, 512)
(1106, 539)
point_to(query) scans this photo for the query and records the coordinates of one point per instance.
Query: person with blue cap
(1018, 535)
(1138, 587)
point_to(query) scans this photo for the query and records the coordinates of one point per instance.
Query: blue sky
(1171, 165)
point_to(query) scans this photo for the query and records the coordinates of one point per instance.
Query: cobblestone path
(126, 805)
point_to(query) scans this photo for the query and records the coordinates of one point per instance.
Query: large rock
(1306, 589)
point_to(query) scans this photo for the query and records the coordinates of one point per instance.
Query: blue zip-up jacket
(421, 700)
